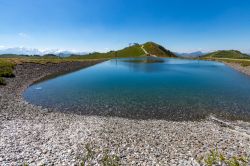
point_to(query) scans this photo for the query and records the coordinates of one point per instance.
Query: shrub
(6, 72)
(6, 69)
(2, 81)
(106, 160)
(214, 157)
(110, 160)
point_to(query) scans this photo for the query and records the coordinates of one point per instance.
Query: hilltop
(233, 54)
(157, 50)
(135, 50)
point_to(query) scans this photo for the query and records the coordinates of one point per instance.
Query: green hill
(131, 51)
(135, 50)
(157, 50)
(233, 54)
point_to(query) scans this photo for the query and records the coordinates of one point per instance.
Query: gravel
(36, 136)
(239, 67)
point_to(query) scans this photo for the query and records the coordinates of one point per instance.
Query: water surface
(172, 89)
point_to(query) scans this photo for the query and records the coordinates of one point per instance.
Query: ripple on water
(143, 88)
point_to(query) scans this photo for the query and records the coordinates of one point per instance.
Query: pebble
(29, 135)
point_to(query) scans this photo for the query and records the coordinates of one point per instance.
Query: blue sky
(88, 25)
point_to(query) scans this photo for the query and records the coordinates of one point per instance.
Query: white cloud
(35, 51)
(2, 47)
(107, 49)
(23, 35)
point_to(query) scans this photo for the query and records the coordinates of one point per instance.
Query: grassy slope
(158, 50)
(233, 54)
(132, 51)
(229, 56)
(8, 63)
(243, 62)
(6, 70)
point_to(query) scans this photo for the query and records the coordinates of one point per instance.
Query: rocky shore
(34, 135)
(239, 67)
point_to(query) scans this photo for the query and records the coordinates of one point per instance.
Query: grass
(89, 156)
(214, 157)
(106, 160)
(243, 62)
(232, 54)
(2, 81)
(7, 63)
(6, 70)
(229, 56)
(110, 160)
(158, 50)
(132, 51)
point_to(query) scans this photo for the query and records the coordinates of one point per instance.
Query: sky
(102, 25)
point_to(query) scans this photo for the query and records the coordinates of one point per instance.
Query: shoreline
(239, 67)
(35, 135)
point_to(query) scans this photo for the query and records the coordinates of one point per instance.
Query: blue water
(172, 89)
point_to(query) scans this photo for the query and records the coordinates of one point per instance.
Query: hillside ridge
(234, 54)
(135, 50)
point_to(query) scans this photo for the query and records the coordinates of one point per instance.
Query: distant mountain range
(133, 50)
(191, 54)
(34, 51)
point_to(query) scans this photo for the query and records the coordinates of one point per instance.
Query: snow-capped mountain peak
(35, 51)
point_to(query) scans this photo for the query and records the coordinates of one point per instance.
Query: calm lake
(172, 89)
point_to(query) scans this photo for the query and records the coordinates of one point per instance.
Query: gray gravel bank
(239, 67)
(30, 134)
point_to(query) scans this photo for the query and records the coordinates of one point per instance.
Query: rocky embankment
(36, 136)
(239, 67)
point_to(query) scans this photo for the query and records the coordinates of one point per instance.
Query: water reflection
(172, 89)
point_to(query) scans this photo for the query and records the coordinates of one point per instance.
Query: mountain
(227, 54)
(135, 50)
(20, 51)
(131, 51)
(34, 51)
(191, 54)
(157, 50)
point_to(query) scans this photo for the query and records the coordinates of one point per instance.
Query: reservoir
(148, 88)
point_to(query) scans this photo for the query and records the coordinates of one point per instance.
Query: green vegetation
(106, 160)
(232, 54)
(7, 63)
(2, 81)
(214, 157)
(6, 70)
(243, 62)
(89, 156)
(229, 56)
(131, 51)
(158, 50)
(110, 160)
